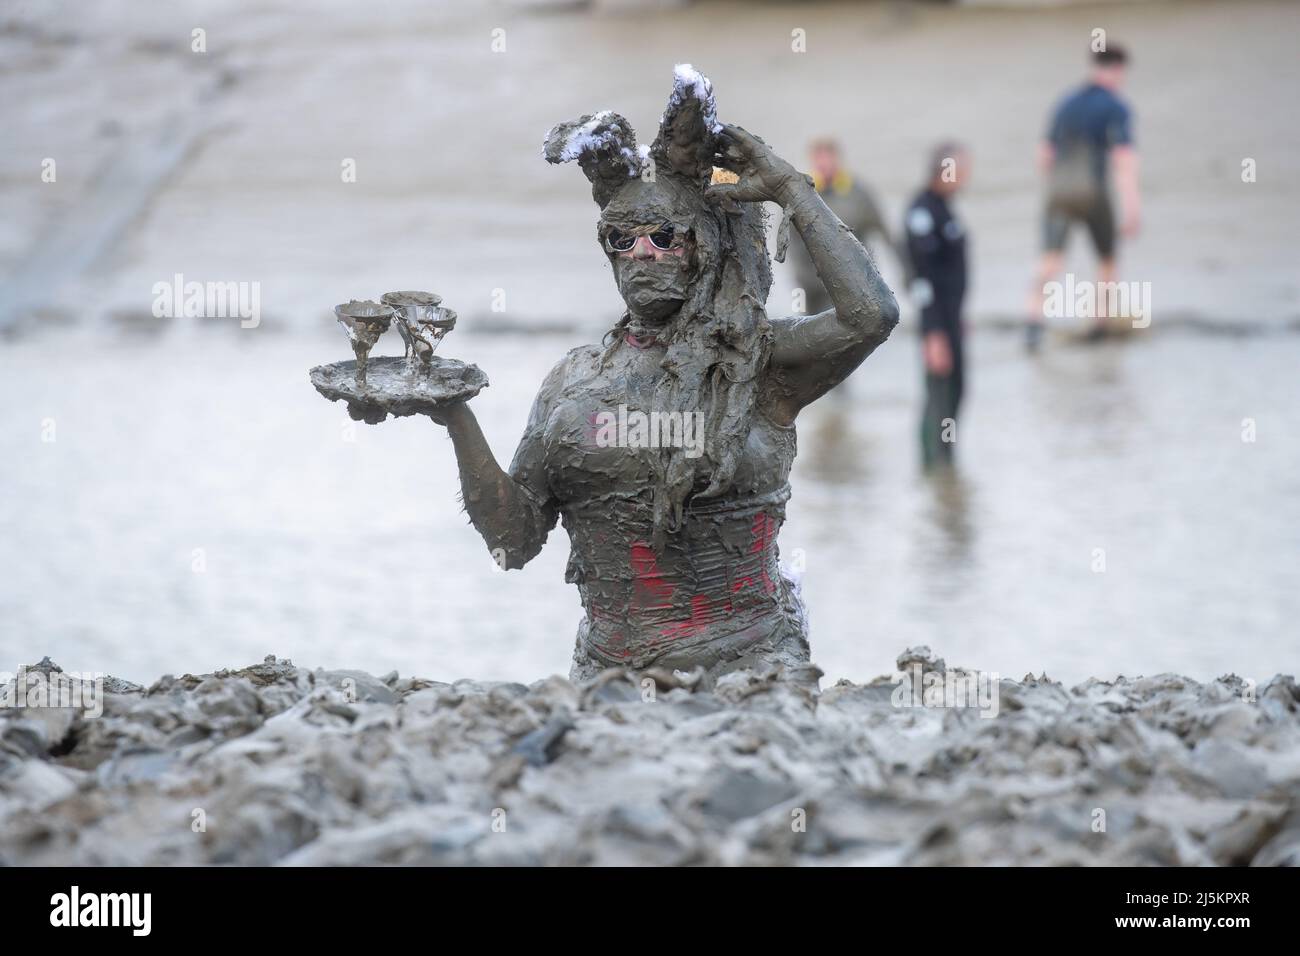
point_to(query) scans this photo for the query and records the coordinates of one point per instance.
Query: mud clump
(276, 764)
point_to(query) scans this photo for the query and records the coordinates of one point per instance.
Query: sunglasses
(663, 239)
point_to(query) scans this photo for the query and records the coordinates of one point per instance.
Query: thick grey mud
(276, 764)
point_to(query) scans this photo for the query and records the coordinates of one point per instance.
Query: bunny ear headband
(604, 143)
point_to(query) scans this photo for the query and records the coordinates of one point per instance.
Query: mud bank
(276, 764)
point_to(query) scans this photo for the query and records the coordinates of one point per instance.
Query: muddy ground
(274, 764)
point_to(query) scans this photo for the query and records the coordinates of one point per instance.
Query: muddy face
(646, 232)
(652, 288)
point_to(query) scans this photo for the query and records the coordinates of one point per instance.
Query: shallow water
(200, 504)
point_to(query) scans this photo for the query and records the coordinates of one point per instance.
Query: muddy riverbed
(274, 764)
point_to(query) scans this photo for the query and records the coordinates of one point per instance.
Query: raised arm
(514, 511)
(812, 354)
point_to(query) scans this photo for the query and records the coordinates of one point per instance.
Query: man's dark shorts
(1098, 216)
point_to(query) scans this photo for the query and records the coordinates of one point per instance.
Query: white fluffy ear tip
(605, 147)
(593, 133)
(553, 147)
(688, 74)
(565, 142)
(690, 82)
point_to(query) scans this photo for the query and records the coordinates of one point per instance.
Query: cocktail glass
(422, 323)
(365, 322)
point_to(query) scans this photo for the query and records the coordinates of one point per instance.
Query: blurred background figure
(849, 199)
(1089, 142)
(936, 252)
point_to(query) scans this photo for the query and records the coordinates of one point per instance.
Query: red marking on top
(702, 615)
(649, 589)
(652, 592)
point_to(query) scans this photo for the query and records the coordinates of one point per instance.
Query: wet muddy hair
(720, 340)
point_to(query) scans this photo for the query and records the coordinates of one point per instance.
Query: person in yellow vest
(851, 201)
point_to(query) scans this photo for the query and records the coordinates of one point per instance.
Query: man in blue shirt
(1088, 156)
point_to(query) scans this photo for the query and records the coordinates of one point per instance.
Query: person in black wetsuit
(1088, 147)
(936, 247)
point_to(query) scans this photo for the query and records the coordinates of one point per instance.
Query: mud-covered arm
(812, 354)
(514, 511)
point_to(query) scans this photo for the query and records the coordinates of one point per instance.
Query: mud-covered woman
(674, 543)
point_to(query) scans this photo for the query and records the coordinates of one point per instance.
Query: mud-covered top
(714, 587)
